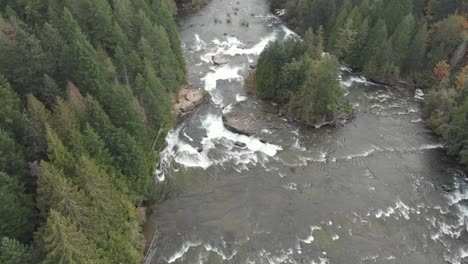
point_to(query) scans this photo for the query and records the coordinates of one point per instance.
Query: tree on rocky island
(304, 81)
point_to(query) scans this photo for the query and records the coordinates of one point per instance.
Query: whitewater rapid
(365, 192)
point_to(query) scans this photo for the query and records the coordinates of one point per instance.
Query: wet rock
(188, 99)
(239, 123)
(219, 60)
(240, 144)
(253, 67)
(263, 141)
(200, 149)
(447, 188)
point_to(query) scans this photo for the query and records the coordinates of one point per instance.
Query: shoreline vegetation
(86, 95)
(405, 44)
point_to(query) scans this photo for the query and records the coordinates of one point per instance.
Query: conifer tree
(417, 50)
(62, 242)
(401, 39)
(16, 210)
(13, 252)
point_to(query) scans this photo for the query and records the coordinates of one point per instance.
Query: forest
(421, 43)
(86, 88)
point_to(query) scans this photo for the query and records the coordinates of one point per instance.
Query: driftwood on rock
(188, 99)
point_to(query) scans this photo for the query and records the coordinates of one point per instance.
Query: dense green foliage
(300, 77)
(385, 39)
(85, 87)
(421, 41)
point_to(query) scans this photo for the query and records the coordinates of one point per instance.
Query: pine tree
(56, 191)
(401, 39)
(35, 138)
(11, 157)
(16, 209)
(320, 96)
(12, 119)
(417, 50)
(58, 154)
(339, 22)
(13, 252)
(395, 11)
(62, 242)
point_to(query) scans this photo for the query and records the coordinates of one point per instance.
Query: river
(365, 192)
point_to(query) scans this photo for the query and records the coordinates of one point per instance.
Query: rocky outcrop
(187, 100)
(239, 123)
(219, 60)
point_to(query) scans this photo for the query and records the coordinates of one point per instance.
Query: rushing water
(365, 192)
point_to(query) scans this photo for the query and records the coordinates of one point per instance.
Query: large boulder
(239, 123)
(188, 99)
(186, 106)
(194, 96)
(219, 60)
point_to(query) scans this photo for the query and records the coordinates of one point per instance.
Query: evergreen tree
(62, 242)
(35, 138)
(11, 157)
(12, 119)
(401, 40)
(395, 11)
(13, 252)
(16, 210)
(417, 50)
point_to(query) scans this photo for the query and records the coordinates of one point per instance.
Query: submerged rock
(239, 123)
(447, 188)
(219, 60)
(240, 144)
(188, 99)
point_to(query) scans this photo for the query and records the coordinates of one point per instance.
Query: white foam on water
(280, 12)
(233, 46)
(372, 258)
(322, 261)
(187, 136)
(240, 98)
(292, 186)
(344, 68)
(216, 250)
(298, 146)
(355, 79)
(311, 238)
(418, 120)
(335, 237)
(362, 154)
(376, 149)
(288, 33)
(419, 94)
(399, 210)
(282, 257)
(457, 257)
(181, 252)
(225, 72)
(227, 109)
(198, 43)
(216, 130)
